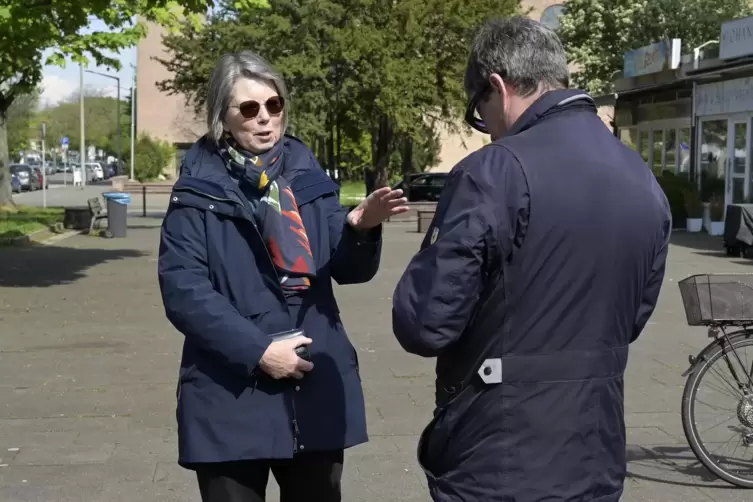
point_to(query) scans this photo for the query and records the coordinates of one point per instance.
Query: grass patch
(352, 192)
(25, 220)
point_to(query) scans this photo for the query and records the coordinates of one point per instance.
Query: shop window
(670, 149)
(551, 16)
(658, 150)
(684, 151)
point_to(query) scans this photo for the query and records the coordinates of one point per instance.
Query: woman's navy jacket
(220, 289)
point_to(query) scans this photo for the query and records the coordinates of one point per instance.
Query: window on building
(551, 16)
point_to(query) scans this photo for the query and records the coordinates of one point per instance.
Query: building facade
(723, 115)
(653, 109)
(171, 119)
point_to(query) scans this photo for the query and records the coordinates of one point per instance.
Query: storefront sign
(736, 39)
(732, 96)
(652, 58)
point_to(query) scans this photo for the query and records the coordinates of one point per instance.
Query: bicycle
(724, 304)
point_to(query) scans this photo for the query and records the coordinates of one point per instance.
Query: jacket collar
(204, 170)
(551, 103)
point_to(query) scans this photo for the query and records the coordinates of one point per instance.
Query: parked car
(15, 183)
(423, 186)
(26, 176)
(96, 168)
(41, 177)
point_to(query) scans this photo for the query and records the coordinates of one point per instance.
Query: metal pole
(82, 147)
(133, 126)
(44, 168)
(117, 168)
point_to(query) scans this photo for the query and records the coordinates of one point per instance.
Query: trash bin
(117, 212)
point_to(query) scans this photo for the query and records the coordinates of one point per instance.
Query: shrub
(693, 204)
(151, 157)
(674, 188)
(716, 208)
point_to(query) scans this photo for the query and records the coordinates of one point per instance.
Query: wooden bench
(98, 212)
(148, 188)
(425, 216)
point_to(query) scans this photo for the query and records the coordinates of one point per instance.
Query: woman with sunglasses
(252, 239)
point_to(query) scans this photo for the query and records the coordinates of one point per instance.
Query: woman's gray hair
(226, 73)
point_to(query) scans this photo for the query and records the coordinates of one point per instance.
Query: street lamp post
(117, 80)
(133, 127)
(82, 146)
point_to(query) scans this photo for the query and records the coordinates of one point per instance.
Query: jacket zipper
(296, 431)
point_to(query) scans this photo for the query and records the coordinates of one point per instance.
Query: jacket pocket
(262, 313)
(436, 454)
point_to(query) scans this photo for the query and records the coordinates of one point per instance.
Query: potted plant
(716, 213)
(694, 211)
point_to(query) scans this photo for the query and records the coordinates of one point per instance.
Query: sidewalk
(88, 368)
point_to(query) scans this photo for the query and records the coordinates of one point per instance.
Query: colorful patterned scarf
(275, 211)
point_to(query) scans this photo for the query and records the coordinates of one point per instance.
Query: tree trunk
(338, 147)
(407, 163)
(381, 148)
(331, 147)
(6, 196)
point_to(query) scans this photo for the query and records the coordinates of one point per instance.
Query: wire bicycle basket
(713, 299)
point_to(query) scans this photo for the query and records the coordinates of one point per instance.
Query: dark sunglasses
(472, 117)
(250, 109)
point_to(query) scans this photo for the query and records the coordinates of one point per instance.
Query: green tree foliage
(29, 27)
(21, 118)
(100, 122)
(151, 157)
(387, 71)
(596, 33)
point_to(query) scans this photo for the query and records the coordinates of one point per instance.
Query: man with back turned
(543, 263)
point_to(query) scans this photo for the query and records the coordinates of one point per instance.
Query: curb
(37, 238)
(59, 237)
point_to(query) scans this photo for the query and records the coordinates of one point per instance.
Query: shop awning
(718, 71)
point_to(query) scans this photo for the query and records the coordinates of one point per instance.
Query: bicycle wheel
(717, 358)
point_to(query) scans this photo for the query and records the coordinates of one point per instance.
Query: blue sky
(59, 83)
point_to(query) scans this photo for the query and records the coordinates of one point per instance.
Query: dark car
(15, 184)
(423, 186)
(27, 176)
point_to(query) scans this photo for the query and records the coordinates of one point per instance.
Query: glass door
(683, 146)
(737, 163)
(713, 147)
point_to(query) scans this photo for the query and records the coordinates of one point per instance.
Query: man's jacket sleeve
(439, 291)
(653, 286)
(192, 304)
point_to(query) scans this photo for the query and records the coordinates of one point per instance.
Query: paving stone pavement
(88, 368)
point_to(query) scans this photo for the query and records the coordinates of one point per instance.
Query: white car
(96, 169)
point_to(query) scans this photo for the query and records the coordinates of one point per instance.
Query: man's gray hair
(522, 51)
(226, 73)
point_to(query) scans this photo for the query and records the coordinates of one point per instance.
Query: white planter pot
(716, 228)
(694, 224)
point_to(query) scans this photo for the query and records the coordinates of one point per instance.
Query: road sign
(64, 141)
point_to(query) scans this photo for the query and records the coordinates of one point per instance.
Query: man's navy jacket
(547, 255)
